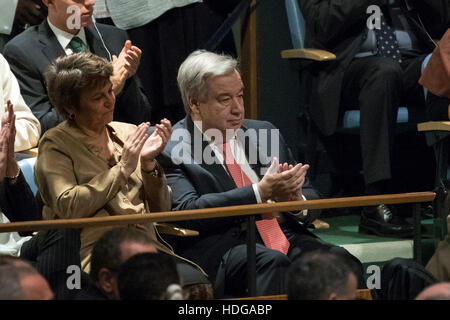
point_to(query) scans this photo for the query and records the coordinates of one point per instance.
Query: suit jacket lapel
(252, 149)
(51, 47)
(215, 168)
(94, 42)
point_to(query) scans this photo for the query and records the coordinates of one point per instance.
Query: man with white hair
(217, 158)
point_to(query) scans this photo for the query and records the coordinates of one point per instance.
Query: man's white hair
(196, 69)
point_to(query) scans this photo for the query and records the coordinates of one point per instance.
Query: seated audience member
(17, 201)
(50, 252)
(104, 168)
(436, 79)
(118, 245)
(64, 32)
(149, 276)
(438, 291)
(402, 279)
(321, 275)
(233, 174)
(20, 281)
(439, 263)
(108, 254)
(376, 70)
(28, 129)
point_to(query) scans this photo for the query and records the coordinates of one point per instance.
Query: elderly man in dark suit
(217, 158)
(377, 70)
(67, 29)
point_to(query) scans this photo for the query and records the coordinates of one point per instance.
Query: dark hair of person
(106, 252)
(316, 274)
(148, 276)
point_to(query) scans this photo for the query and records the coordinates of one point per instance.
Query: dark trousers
(271, 266)
(379, 86)
(51, 252)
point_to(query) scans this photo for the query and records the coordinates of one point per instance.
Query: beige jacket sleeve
(55, 178)
(28, 128)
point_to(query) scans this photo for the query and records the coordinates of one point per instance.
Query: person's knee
(387, 70)
(273, 258)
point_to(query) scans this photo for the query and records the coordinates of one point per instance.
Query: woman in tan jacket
(89, 166)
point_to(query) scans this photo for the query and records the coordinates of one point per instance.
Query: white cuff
(257, 195)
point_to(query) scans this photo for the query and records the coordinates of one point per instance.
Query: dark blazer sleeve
(132, 104)
(32, 84)
(186, 197)
(435, 15)
(17, 200)
(330, 20)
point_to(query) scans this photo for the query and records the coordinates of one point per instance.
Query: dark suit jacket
(31, 52)
(339, 27)
(198, 185)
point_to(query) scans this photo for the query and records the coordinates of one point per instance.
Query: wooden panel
(248, 64)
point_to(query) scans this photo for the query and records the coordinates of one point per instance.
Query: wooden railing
(244, 210)
(170, 216)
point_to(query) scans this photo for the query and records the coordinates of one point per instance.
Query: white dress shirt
(28, 128)
(10, 243)
(64, 37)
(238, 151)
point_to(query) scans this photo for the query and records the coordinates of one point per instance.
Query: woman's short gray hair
(196, 69)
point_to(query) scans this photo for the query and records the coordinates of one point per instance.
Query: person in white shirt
(28, 129)
(17, 202)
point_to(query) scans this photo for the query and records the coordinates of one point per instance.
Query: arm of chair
(434, 126)
(167, 228)
(310, 54)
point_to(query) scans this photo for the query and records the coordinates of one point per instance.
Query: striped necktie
(269, 229)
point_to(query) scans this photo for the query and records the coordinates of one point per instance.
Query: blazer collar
(250, 143)
(52, 49)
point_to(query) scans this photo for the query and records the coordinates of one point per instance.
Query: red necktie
(269, 229)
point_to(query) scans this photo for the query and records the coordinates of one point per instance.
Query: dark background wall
(279, 98)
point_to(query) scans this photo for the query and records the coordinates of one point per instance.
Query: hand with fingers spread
(126, 64)
(119, 76)
(132, 149)
(8, 164)
(155, 144)
(285, 185)
(12, 168)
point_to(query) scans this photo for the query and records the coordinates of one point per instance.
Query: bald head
(438, 291)
(20, 281)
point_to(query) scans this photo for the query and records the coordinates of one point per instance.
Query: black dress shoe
(378, 220)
